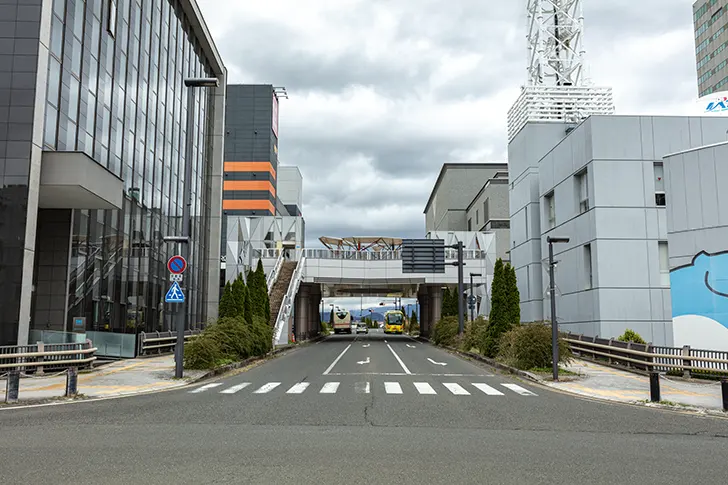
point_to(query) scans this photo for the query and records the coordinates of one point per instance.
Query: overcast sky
(383, 92)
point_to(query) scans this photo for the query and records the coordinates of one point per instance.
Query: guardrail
(648, 357)
(161, 342)
(289, 299)
(383, 255)
(273, 275)
(40, 357)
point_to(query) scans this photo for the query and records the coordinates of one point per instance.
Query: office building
(711, 39)
(94, 134)
(601, 184)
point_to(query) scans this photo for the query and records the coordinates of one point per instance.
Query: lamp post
(552, 288)
(471, 303)
(184, 240)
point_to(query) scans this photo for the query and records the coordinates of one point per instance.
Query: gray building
(488, 212)
(710, 21)
(94, 127)
(601, 184)
(290, 190)
(697, 237)
(453, 193)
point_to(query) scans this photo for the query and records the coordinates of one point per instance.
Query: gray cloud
(356, 172)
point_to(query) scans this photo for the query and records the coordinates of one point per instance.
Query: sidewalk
(616, 385)
(116, 379)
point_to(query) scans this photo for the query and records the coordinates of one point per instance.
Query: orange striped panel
(249, 205)
(249, 185)
(250, 167)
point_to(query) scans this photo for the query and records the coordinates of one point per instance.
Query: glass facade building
(95, 123)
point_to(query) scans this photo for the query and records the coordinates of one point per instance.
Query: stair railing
(284, 314)
(275, 272)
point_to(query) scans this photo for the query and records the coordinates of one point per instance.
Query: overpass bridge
(298, 279)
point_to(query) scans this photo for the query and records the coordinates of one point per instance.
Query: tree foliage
(228, 340)
(446, 331)
(529, 346)
(630, 335)
(512, 295)
(228, 307)
(501, 313)
(239, 294)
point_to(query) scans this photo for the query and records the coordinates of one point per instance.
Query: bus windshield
(394, 319)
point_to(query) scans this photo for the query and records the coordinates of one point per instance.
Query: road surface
(366, 409)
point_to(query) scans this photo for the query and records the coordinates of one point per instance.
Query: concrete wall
(697, 225)
(494, 216)
(290, 186)
(524, 154)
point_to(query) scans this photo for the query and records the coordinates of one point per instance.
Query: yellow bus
(393, 321)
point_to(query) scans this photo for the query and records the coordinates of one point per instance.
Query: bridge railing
(450, 254)
(289, 299)
(273, 274)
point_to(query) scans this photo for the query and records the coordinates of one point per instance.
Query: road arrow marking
(411, 346)
(436, 363)
(364, 361)
(366, 345)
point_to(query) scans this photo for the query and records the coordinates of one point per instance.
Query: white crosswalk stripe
(298, 388)
(487, 389)
(234, 389)
(456, 389)
(267, 388)
(520, 390)
(392, 388)
(365, 387)
(424, 388)
(330, 388)
(205, 387)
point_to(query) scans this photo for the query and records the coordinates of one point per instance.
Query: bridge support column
(423, 297)
(435, 305)
(302, 313)
(314, 299)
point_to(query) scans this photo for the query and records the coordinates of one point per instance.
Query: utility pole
(461, 290)
(554, 324)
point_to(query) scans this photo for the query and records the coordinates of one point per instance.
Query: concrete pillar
(424, 298)
(301, 317)
(435, 304)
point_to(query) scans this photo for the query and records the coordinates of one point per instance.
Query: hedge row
(230, 339)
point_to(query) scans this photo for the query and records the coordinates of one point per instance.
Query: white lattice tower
(556, 55)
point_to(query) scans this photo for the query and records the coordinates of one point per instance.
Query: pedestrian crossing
(365, 387)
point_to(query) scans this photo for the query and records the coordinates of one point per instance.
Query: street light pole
(181, 313)
(461, 307)
(552, 291)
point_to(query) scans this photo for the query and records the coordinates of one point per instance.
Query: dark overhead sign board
(423, 256)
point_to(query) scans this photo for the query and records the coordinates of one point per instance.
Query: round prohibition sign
(177, 264)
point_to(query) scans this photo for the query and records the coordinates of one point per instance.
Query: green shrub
(475, 335)
(413, 324)
(228, 340)
(528, 346)
(504, 308)
(228, 307)
(446, 331)
(630, 335)
(239, 294)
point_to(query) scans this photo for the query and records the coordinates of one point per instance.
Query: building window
(588, 266)
(550, 211)
(582, 191)
(470, 224)
(111, 27)
(659, 184)
(664, 263)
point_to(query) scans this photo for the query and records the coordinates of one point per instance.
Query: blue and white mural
(699, 293)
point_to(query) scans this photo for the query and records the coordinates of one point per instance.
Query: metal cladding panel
(423, 256)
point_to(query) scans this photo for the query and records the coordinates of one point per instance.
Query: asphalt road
(360, 409)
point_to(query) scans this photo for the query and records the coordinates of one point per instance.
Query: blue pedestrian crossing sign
(174, 295)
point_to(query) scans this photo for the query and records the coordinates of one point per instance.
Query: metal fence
(161, 342)
(41, 357)
(647, 357)
(382, 255)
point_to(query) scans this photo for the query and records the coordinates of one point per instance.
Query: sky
(383, 92)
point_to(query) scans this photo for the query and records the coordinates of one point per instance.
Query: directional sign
(177, 264)
(174, 295)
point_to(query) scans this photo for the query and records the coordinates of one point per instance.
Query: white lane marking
(424, 388)
(364, 361)
(234, 389)
(456, 389)
(488, 390)
(520, 390)
(366, 345)
(336, 360)
(206, 387)
(298, 388)
(362, 387)
(436, 363)
(411, 346)
(392, 388)
(329, 388)
(267, 388)
(404, 367)
(403, 374)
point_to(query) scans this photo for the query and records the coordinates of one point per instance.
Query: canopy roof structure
(366, 243)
